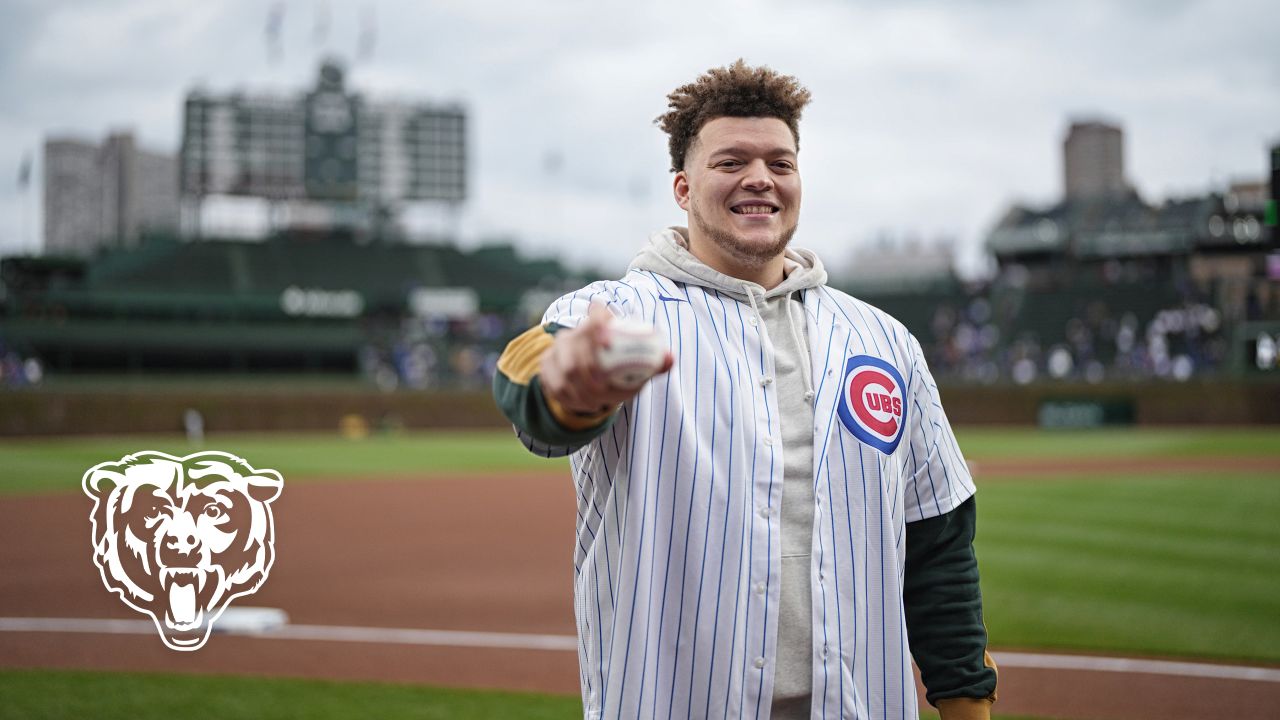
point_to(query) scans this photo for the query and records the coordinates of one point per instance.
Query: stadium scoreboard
(325, 145)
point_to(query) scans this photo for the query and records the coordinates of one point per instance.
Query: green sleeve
(944, 607)
(517, 390)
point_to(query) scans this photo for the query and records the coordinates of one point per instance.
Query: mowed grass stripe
(56, 695)
(1166, 512)
(58, 464)
(59, 694)
(1030, 443)
(1134, 565)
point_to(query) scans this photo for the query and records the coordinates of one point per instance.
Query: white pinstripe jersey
(677, 561)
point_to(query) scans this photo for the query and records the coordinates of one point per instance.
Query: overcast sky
(928, 118)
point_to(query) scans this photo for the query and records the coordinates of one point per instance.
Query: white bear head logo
(180, 538)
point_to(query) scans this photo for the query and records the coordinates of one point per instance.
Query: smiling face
(741, 187)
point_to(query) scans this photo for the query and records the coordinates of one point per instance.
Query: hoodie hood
(667, 254)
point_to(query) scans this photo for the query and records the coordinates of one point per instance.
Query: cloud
(929, 117)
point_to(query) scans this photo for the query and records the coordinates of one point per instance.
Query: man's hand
(570, 371)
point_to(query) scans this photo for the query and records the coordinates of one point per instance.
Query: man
(762, 526)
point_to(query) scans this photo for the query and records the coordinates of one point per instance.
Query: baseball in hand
(634, 354)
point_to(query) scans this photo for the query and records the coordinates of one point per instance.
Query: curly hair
(733, 91)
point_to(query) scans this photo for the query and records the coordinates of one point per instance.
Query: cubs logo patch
(873, 404)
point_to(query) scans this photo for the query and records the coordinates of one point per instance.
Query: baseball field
(1127, 573)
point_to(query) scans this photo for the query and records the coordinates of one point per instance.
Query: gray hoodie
(785, 337)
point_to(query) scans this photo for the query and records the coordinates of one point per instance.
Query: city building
(105, 195)
(1101, 217)
(1093, 161)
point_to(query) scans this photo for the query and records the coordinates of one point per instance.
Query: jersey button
(766, 381)
(760, 588)
(764, 512)
(759, 663)
(768, 439)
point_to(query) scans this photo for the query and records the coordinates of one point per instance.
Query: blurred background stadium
(1102, 307)
(300, 268)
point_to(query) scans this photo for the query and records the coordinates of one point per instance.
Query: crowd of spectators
(423, 353)
(19, 371)
(1122, 329)
(1003, 333)
(989, 335)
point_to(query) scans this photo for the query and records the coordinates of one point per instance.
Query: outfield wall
(1156, 403)
(160, 410)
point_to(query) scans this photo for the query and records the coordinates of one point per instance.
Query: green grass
(58, 464)
(39, 694)
(1183, 565)
(1031, 443)
(58, 694)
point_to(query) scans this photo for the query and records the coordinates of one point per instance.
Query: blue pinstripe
(675, 342)
(656, 482)
(746, 509)
(823, 461)
(646, 645)
(722, 329)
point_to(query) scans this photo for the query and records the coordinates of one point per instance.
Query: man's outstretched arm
(550, 386)
(943, 604)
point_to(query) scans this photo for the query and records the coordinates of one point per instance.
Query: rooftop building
(105, 195)
(1093, 161)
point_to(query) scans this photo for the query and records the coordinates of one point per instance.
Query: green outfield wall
(1154, 403)
(160, 409)
(35, 412)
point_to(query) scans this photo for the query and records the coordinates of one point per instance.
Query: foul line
(522, 641)
(336, 633)
(1134, 665)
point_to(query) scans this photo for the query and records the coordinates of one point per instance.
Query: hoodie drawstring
(806, 375)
